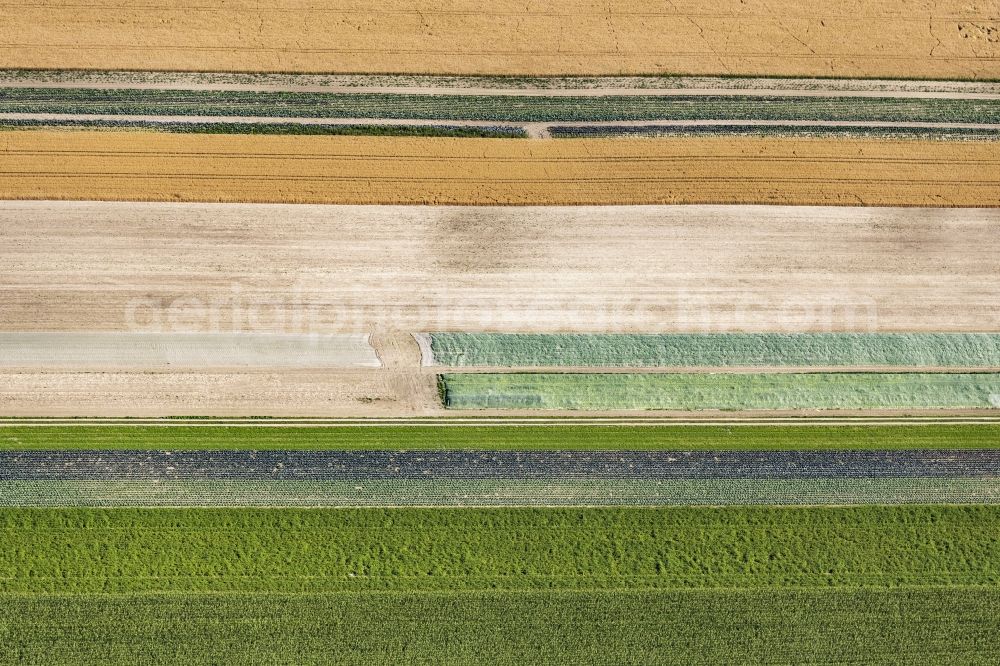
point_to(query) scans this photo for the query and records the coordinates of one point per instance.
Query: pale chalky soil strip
(189, 350)
(87, 266)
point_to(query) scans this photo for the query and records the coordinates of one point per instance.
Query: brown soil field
(171, 393)
(386, 170)
(854, 38)
(296, 269)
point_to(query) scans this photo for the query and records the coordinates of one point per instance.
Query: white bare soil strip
(297, 269)
(103, 350)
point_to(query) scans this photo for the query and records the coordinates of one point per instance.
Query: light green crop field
(725, 585)
(718, 350)
(722, 391)
(502, 437)
(324, 550)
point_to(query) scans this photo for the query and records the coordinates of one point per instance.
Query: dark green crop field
(613, 586)
(711, 627)
(564, 437)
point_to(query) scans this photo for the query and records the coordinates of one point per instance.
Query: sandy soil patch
(868, 38)
(386, 170)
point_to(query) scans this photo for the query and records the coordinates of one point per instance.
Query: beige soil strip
(535, 130)
(761, 91)
(103, 350)
(367, 170)
(161, 267)
(868, 38)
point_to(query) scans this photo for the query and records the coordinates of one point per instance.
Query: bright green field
(564, 437)
(711, 627)
(734, 585)
(718, 350)
(722, 391)
(325, 550)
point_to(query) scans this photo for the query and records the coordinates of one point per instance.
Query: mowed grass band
(715, 349)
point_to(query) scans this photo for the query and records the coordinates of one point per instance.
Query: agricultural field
(718, 350)
(615, 269)
(722, 391)
(865, 39)
(813, 583)
(496, 478)
(524, 333)
(271, 434)
(149, 166)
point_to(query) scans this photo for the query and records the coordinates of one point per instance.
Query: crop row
(496, 108)
(289, 128)
(883, 132)
(550, 466)
(718, 349)
(820, 390)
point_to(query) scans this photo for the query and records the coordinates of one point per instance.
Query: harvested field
(114, 392)
(865, 39)
(159, 267)
(722, 391)
(716, 350)
(385, 170)
(184, 350)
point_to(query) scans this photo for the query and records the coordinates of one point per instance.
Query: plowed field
(385, 170)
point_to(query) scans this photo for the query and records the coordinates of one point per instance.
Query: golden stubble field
(855, 38)
(388, 170)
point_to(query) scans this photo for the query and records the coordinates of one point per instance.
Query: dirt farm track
(861, 38)
(391, 170)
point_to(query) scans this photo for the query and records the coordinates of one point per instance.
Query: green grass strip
(503, 492)
(920, 626)
(718, 350)
(490, 107)
(722, 391)
(539, 437)
(324, 550)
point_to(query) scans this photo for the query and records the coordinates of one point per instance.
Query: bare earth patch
(868, 38)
